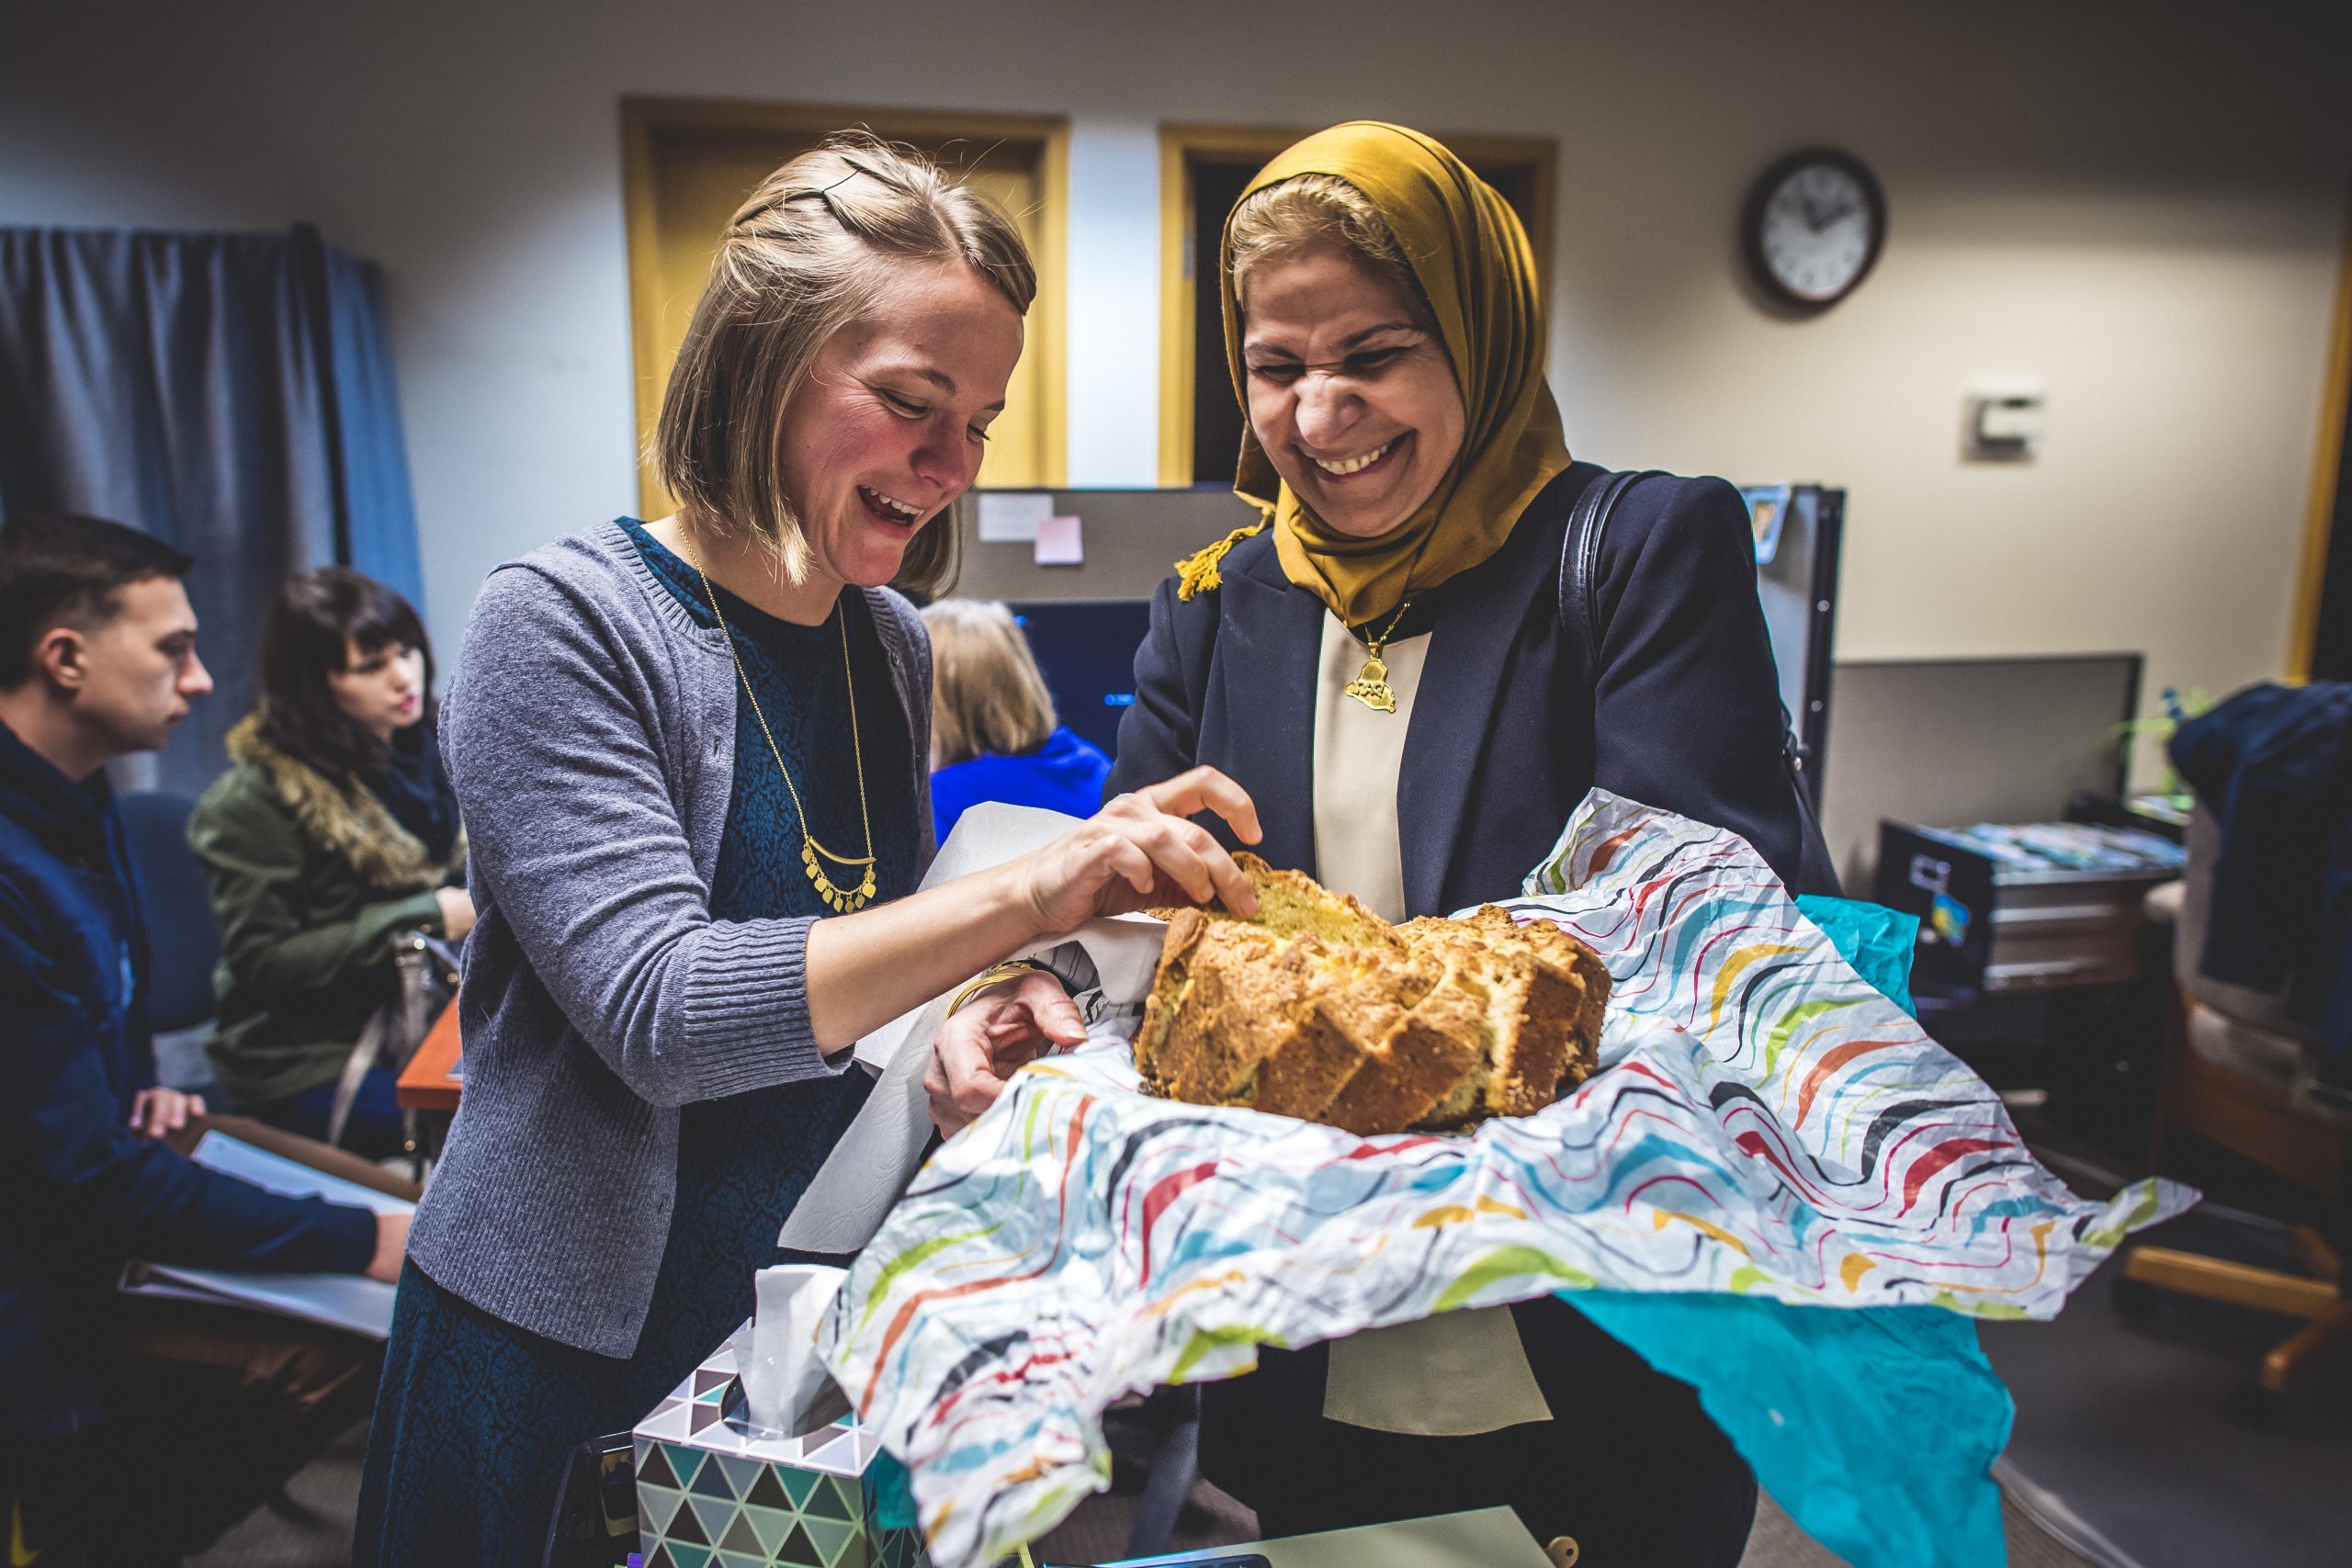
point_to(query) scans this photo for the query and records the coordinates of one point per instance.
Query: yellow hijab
(1473, 261)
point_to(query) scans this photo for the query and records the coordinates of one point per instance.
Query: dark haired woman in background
(334, 831)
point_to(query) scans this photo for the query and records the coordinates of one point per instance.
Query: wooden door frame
(644, 119)
(1184, 144)
(2327, 470)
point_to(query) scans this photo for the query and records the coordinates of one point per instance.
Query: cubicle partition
(1085, 619)
(1130, 541)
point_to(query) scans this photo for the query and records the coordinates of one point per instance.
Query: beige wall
(2180, 337)
(2141, 205)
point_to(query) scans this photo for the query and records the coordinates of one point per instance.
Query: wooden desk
(431, 1080)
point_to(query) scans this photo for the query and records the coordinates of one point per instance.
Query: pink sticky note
(1061, 542)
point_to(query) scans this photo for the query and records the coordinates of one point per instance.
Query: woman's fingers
(982, 1046)
(934, 1079)
(1231, 882)
(1144, 840)
(1205, 789)
(943, 1115)
(1130, 862)
(1180, 851)
(961, 1080)
(1185, 851)
(1057, 1016)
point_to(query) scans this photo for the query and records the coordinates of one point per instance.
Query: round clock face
(1815, 224)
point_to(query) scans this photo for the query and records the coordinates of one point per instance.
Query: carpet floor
(2125, 1424)
(316, 1532)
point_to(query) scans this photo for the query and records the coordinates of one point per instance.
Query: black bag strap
(1580, 568)
(1581, 629)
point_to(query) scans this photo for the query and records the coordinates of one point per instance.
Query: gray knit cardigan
(591, 736)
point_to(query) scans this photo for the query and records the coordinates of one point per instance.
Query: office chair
(2238, 1072)
(183, 941)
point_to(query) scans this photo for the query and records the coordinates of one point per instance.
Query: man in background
(131, 1430)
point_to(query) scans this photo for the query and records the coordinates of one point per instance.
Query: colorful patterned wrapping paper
(1770, 1125)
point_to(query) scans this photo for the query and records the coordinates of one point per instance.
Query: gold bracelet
(1009, 970)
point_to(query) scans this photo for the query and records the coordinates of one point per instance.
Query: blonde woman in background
(693, 757)
(994, 732)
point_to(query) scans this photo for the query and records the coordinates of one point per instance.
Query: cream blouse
(1458, 1372)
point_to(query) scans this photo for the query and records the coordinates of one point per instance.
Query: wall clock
(1813, 226)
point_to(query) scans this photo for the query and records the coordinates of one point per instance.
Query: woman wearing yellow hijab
(1384, 665)
(1415, 687)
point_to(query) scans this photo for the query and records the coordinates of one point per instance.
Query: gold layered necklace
(1371, 685)
(813, 855)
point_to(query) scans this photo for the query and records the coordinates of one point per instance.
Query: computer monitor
(1086, 650)
(1946, 742)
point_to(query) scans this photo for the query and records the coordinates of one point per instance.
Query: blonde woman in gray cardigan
(692, 756)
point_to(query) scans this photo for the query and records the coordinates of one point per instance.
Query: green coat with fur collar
(310, 884)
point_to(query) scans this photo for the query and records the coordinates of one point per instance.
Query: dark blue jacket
(2274, 765)
(79, 1191)
(1508, 732)
(1063, 774)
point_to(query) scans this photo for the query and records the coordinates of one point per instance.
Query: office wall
(2140, 204)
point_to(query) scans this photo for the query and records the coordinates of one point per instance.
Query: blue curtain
(232, 393)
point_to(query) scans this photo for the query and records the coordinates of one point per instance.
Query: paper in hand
(871, 1166)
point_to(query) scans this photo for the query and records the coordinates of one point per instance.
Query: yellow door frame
(1183, 147)
(2327, 468)
(643, 120)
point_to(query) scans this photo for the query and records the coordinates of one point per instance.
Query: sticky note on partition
(1009, 517)
(1061, 542)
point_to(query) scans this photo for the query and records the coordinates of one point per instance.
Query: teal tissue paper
(1877, 941)
(1875, 1428)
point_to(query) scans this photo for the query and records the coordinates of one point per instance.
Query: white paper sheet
(1011, 517)
(340, 1301)
(234, 1156)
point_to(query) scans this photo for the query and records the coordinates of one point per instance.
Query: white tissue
(787, 1390)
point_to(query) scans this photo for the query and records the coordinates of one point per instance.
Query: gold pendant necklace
(1371, 685)
(812, 853)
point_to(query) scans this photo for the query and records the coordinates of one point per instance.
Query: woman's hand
(1141, 852)
(994, 1035)
(457, 912)
(1138, 853)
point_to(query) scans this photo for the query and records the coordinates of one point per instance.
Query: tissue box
(710, 1495)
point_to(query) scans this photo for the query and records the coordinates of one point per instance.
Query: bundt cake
(1318, 1008)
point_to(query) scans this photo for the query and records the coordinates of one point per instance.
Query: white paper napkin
(787, 1389)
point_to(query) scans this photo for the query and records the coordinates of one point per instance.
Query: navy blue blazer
(1507, 731)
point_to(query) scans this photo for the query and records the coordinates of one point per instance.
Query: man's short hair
(58, 570)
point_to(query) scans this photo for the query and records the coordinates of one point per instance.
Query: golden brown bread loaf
(1318, 1008)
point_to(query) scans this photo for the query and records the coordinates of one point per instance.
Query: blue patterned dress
(476, 1417)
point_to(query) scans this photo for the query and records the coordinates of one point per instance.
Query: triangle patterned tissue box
(711, 1492)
